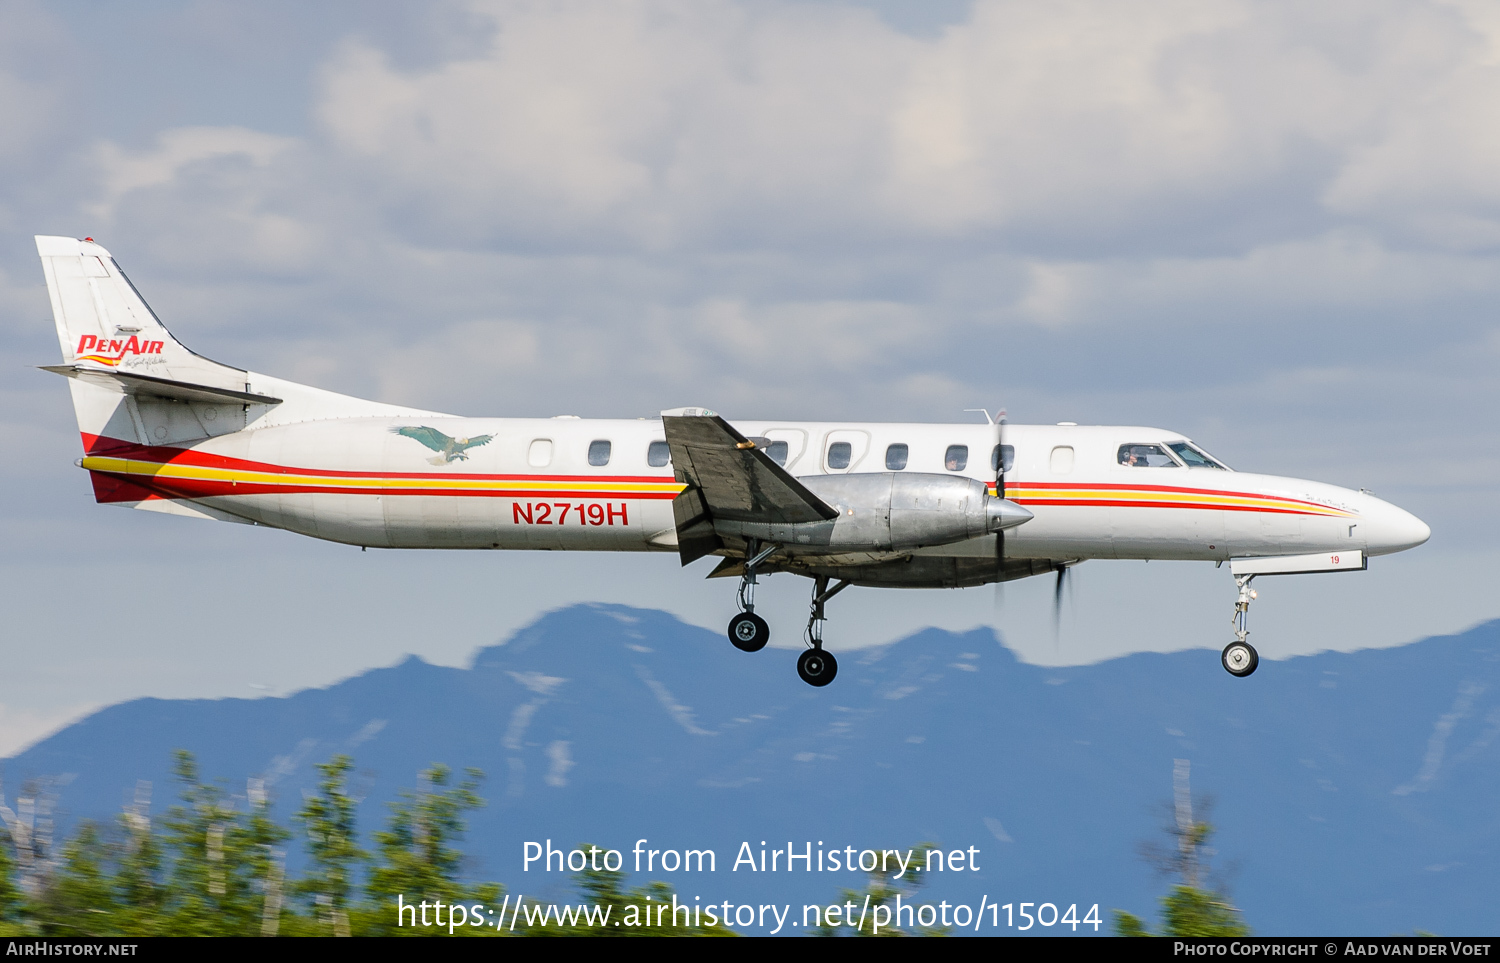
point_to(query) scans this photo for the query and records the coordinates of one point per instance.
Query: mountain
(1355, 792)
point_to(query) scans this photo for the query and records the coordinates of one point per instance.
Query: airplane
(886, 505)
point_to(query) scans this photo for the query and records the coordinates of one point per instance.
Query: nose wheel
(1239, 658)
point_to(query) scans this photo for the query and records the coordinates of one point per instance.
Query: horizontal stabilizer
(138, 384)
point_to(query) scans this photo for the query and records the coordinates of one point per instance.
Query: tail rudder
(103, 323)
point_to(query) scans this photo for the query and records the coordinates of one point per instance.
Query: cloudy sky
(1272, 226)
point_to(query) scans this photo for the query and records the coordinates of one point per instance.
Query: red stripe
(1112, 503)
(205, 488)
(111, 488)
(1217, 492)
(162, 455)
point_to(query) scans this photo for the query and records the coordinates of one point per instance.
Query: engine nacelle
(888, 512)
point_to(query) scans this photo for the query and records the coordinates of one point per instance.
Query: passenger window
(1061, 461)
(839, 454)
(1145, 456)
(539, 455)
(1009, 453)
(895, 458)
(777, 451)
(658, 454)
(599, 453)
(957, 458)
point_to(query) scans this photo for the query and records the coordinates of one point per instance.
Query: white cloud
(1268, 224)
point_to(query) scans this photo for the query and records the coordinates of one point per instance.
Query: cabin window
(1061, 461)
(1194, 457)
(895, 458)
(839, 454)
(599, 452)
(1008, 452)
(539, 455)
(658, 454)
(956, 458)
(1145, 456)
(777, 452)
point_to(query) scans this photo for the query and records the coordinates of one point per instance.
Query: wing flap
(734, 479)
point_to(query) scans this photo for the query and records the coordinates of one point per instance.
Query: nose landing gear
(1239, 657)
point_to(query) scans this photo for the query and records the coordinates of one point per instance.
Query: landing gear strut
(815, 666)
(1239, 657)
(748, 631)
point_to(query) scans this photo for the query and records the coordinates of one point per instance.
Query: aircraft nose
(1392, 529)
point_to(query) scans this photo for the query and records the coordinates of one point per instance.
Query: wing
(729, 478)
(430, 437)
(476, 441)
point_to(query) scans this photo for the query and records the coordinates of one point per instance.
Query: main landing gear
(815, 666)
(749, 632)
(1239, 657)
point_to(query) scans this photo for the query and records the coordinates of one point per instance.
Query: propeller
(999, 457)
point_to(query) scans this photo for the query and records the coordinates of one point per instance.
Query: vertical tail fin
(104, 324)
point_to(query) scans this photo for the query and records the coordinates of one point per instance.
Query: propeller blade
(999, 457)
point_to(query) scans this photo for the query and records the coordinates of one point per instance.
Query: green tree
(221, 859)
(79, 899)
(1193, 907)
(333, 844)
(141, 893)
(12, 900)
(417, 858)
(882, 892)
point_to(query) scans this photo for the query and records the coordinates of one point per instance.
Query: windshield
(1145, 456)
(1195, 457)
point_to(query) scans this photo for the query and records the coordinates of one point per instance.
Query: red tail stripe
(164, 455)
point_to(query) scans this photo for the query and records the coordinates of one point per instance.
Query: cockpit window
(1194, 457)
(1145, 456)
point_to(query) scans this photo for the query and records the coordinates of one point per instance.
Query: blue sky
(1271, 226)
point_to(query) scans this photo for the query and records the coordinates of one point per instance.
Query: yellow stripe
(1177, 498)
(121, 466)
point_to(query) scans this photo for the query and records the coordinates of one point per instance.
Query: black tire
(817, 667)
(1240, 659)
(749, 632)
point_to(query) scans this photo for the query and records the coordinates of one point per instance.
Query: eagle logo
(448, 449)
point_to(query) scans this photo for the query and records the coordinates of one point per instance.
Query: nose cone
(1004, 513)
(1390, 529)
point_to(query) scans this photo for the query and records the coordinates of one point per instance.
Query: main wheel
(817, 667)
(1239, 658)
(749, 632)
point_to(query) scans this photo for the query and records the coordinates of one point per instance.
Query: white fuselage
(531, 486)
